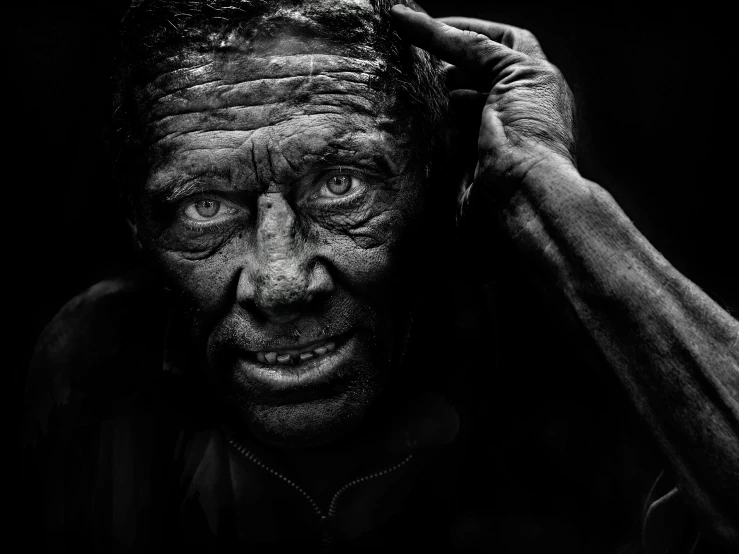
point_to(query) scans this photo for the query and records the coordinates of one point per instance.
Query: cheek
(206, 285)
(371, 258)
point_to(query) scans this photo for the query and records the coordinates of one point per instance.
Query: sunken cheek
(365, 263)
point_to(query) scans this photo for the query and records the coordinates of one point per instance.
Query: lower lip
(310, 372)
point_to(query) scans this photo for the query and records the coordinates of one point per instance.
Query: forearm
(675, 350)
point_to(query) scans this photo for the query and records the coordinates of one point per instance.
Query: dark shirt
(502, 437)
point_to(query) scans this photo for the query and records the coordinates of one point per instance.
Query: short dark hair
(154, 29)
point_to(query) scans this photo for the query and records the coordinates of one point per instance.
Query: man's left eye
(339, 184)
(207, 210)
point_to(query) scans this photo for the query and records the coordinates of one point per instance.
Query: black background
(656, 103)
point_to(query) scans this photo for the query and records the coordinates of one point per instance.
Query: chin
(308, 404)
(311, 423)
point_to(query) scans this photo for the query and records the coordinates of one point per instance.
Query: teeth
(288, 358)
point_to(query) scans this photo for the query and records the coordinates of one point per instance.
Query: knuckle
(476, 38)
(528, 36)
(551, 70)
(509, 37)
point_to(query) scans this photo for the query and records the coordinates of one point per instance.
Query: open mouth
(302, 366)
(298, 355)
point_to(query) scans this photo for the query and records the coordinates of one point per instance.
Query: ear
(126, 207)
(134, 233)
(462, 132)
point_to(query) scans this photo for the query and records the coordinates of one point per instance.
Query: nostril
(282, 316)
(320, 283)
(281, 311)
(281, 280)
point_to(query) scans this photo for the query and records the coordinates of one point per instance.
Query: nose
(282, 278)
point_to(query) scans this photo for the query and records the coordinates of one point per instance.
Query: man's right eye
(208, 211)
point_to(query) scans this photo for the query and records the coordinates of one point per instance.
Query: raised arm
(675, 350)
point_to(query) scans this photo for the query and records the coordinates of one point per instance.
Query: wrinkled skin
(237, 212)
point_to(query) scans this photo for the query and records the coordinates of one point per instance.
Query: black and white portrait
(366, 275)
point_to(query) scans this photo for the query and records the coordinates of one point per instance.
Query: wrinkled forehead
(288, 43)
(283, 100)
(287, 65)
(275, 81)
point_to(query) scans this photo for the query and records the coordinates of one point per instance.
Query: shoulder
(102, 321)
(100, 345)
(98, 434)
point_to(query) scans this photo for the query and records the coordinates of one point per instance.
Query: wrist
(548, 196)
(549, 172)
(533, 175)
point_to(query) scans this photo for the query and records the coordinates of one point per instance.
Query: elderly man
(287, 373)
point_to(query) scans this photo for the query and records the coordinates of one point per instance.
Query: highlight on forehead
(157, 27)
(159, 36)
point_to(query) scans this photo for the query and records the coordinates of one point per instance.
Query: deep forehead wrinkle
(312, 142)
(242, 70)
(215, 103)
(200, 119)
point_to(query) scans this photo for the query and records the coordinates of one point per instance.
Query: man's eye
(207, 210)
(339, 184)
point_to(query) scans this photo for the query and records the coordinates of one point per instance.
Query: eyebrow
(339, 156)
(182, 185)
(177, 191)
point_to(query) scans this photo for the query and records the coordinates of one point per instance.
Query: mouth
(298, 355)
(310, 364)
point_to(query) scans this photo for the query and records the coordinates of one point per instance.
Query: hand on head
(499, 74)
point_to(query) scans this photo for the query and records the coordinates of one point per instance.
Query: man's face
(280, 199)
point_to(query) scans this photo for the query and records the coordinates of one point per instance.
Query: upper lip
(298, 346)
(262, 343)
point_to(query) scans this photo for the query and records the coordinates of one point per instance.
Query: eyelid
(230, 208)
(350, 169)
(353, 173)
(225, 197)
(362, 175)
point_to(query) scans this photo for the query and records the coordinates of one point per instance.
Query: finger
(468, 50)
(508, 35)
